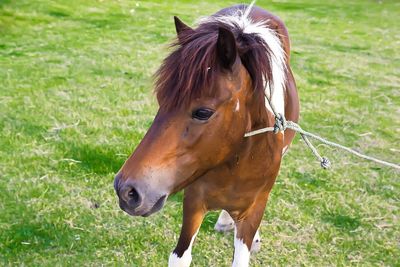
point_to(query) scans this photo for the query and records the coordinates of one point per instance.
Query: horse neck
(260, 116)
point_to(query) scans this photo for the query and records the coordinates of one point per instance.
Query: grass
(76, 99)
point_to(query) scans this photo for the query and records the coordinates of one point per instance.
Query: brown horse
(211, 90)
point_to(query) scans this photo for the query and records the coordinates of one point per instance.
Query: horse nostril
(131, 196)
(134, 195)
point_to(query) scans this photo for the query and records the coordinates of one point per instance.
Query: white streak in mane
(240, 18)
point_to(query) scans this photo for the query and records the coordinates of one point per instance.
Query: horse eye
(202, 114)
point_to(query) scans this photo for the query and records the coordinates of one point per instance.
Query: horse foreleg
(243, 239)
(246, 234)
(256, 245)
(193, 213)
(225, 223)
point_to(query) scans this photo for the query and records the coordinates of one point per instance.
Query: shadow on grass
(101, 160)
(26, 231)
(24, 235)
(58, 14)
(308, 180)
(4, 2)
(341, 221)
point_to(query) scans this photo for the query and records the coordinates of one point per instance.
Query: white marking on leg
(256, 245)
(186, 259)
(225, 222)
(241, 257)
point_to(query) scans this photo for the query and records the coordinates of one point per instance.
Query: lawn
(76, 99)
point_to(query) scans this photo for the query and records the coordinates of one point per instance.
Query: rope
(281, 125)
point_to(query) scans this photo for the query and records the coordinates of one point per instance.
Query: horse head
(206, 104)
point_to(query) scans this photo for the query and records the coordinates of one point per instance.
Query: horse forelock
(192, 68)
(188, 71)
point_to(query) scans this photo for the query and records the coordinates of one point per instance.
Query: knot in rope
(325, 163)
(280, 123)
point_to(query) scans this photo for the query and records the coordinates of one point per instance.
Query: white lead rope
(281, 125)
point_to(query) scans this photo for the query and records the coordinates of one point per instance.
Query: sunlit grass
(76, 98)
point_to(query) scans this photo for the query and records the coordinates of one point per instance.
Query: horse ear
(226, 47)
(180, 26)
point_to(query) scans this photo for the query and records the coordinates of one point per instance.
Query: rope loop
(280, 123)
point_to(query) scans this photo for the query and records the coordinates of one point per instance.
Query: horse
(219, 82)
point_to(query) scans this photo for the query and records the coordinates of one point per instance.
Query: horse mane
(190, 70)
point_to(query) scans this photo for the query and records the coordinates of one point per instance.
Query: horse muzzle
(136, 199)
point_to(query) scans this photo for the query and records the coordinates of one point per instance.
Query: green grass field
(76, 99)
